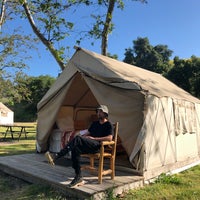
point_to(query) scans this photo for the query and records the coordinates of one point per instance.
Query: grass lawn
(182, 186)
(14, 188)
(11, 147)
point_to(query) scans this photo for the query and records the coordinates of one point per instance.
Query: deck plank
(35, 169)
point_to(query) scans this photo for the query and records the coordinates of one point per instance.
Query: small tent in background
(159, 123)
(6, 115)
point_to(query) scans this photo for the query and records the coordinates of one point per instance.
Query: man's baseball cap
(103, 108)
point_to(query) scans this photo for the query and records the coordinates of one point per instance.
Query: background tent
(6, 115)
(159, 123)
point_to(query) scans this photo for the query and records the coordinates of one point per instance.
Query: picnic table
(16, 128)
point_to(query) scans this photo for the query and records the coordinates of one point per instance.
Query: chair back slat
(115, 127)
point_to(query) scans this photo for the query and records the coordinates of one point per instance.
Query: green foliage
(168, 179)
(26, 109)
(186, 74)
(23, 94)
(114, 56)
(13, 57)
(184, 186)
(13, 53)
(42, 192)
(144, 55)
(53, 23)
(129, 56)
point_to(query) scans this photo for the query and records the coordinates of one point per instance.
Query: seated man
(90, 142)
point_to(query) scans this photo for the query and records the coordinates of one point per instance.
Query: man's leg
(78, 179)
(62, 152)
(78, 146)
(51, 159)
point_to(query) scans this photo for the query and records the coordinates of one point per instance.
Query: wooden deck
(35, 169)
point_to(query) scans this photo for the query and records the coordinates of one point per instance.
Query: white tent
(6, 115)
(159, 123)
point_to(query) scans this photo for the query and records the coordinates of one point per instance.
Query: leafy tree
(13, 57)
(51, 22)
(114, 56)
(180, 73)
(129, 56)
(144, 55)
(195, 77)
(26, 109)
(14, 46)
(185, 73)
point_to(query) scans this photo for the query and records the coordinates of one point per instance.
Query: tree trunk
(104, 41)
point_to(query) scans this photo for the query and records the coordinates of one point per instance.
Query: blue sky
(169, 22)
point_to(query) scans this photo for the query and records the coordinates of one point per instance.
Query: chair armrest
(104, 143)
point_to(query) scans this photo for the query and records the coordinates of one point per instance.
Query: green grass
(13, 147)
(182, 186)
(185, 185)
(13, 187)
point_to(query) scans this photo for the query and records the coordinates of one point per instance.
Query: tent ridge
(118, 84)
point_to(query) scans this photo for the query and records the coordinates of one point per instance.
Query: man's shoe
(77, 181)
(49, 158)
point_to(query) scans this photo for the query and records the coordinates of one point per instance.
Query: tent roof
(128, 76)
(118, 74)
(4, 108)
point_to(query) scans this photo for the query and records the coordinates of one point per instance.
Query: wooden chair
(107, 150)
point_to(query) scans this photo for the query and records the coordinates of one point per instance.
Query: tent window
(184, 117)
(4, 114)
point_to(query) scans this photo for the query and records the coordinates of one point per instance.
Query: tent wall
(186, 146)
(46, 118)
(6, 118)
(163, 147)
(159, 137)
(125, 106)
(6, 115)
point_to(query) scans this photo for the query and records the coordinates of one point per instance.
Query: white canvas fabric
(154, 114)
(6, 115)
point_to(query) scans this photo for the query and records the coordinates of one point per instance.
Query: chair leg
(100, 170)
(91, 162)
(112, 160)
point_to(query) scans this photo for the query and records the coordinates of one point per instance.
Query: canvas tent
(6, 115)
(159, 123)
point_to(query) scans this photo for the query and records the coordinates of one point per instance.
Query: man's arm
(106, 138)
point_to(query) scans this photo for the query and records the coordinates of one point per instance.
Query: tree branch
(2, 14)
(46, 42)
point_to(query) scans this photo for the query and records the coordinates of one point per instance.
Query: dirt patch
(11, 186)
(13, 182)
(7, 143)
